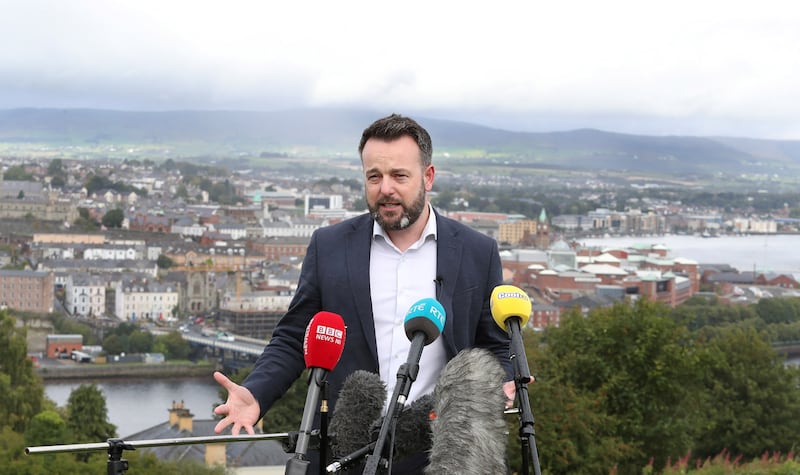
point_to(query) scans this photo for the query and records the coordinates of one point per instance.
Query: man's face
(395, 182)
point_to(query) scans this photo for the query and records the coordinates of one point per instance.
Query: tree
(164, 262)
(140, 342)
(56, 167)
(182, 192)
(641, 368)
(87, 417)
(779, 310)
(113, 218)
(172, 345)
(114, 344)
(754, 402)
(21, 392)
(573, 431)
(17, 173)
(47, 428)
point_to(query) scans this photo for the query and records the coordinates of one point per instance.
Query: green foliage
(65, 325)
(113, 218)
(641, 369)
(724, 464)
(114, 344)
(164, 262)
(17, 173)
(754, 403)
(87, 417)
(145, 463)
(779, 310)
(573, 433)
(172, 345)
(286, 413)
(46, 428)
(56, 167)
(140, 342)
(21, 392)
(97, 183)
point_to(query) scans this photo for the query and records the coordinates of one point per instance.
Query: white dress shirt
(397, 281)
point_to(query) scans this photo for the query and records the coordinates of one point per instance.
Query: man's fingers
(223, 381)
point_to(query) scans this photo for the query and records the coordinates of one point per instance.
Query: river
(763, 253)
(137, 404)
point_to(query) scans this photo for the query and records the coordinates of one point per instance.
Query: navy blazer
(335, 278)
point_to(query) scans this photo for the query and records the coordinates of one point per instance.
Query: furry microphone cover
(469, 432)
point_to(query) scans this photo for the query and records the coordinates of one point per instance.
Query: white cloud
(714, 66)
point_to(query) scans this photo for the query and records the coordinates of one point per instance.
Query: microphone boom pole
(423, 324)
(522, 375)
(511, 307)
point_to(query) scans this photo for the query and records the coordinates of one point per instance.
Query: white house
(145, 299)
(85, 295)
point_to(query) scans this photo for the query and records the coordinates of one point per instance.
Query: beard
(409, 215)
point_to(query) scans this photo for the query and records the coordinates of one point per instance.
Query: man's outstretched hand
(241, 410)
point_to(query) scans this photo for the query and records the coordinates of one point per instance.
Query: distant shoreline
(121, 370)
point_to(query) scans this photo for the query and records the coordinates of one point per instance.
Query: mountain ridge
(337, 131)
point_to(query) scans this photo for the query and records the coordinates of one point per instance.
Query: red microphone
(324, 341)
(323, 344)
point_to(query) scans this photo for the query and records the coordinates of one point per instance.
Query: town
(107, 242)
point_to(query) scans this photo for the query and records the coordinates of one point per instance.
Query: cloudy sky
(700, 67)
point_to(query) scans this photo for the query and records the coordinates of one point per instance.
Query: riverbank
(124, 370)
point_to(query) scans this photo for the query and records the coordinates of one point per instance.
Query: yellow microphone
(508, 301)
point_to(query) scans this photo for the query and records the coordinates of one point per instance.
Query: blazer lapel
(357, 247)
(448, 264)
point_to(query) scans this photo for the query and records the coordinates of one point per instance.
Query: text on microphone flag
(509, 301)
(330, 334)
(428, 308)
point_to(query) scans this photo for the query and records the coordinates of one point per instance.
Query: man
(370, 269)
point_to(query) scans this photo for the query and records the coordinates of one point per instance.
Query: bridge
(240, 344)
(241, 352)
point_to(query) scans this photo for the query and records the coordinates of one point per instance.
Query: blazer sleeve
(282, 362)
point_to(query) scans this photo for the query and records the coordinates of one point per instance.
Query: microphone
(511, 309)
(469, 432)
(360, 404)
(357, 419)
(423, 324)
(413, 430)
(323, 344)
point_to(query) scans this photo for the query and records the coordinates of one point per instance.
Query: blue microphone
(426, 316)
(423, 324)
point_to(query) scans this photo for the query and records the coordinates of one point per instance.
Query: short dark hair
(393, 127)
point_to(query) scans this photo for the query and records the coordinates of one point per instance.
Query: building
(314, 203)
(85, 295)
(62, 346)
(27, 290)
(268, 454)
(145, 299)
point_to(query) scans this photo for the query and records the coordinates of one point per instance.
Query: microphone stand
(116, 465)
(522, 376)
(323, 430)
(406, 375)
(299, 464)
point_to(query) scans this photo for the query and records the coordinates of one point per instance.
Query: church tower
(542, 240)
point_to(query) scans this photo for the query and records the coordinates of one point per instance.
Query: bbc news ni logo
(326, 333)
